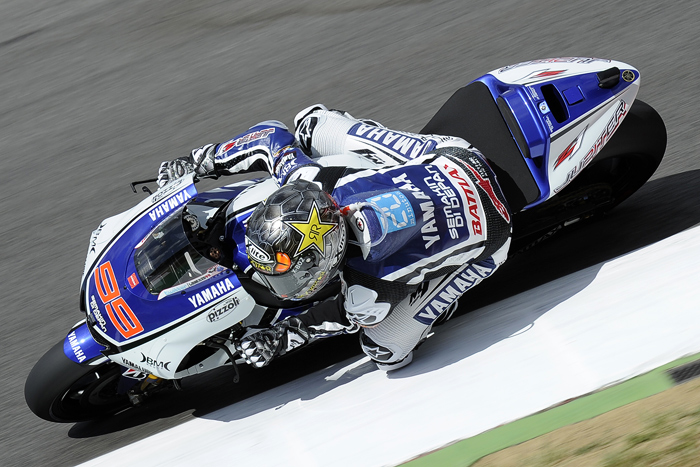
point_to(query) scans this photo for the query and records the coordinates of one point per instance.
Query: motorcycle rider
(416, 222)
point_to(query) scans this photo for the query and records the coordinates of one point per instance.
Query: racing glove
(200, 160)
(259, 346)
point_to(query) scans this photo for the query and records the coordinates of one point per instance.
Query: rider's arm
(266, 147)
(259, 347)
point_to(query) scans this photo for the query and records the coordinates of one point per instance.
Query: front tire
(60, 390)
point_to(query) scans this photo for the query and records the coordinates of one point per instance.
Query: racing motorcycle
(565, 136)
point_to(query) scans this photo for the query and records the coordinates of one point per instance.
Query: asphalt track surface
(96, 93)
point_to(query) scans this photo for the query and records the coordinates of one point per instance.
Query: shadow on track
(662, 208)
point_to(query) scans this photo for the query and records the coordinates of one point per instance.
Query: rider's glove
(200, 160)
(203, 159)
(172, 170)
(259, 346)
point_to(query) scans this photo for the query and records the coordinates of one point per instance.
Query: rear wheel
(60, 390)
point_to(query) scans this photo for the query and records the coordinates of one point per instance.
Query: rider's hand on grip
(200, 160)
(172, 170)
(259, 346)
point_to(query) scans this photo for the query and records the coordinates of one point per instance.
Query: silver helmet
(296, 240)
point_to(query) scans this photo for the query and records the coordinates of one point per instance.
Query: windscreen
(167, 259)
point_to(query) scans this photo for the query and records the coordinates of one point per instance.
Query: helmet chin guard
(296, 240)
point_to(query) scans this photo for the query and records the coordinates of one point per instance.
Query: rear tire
(631, 157)
(60, 390)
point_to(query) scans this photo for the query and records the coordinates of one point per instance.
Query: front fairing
(120, 307)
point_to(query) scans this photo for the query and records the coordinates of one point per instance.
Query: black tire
(624, 164)
(631, 157)
(60, 390)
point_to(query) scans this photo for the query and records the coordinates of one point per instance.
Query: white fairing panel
(162, 355)
(112, 226)
(573, 148)
(547, 69)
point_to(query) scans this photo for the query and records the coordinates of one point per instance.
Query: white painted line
(572, 336)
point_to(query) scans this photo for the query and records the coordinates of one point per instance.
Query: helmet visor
(306, 276)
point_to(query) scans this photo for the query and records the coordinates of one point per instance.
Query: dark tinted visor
(304, 273)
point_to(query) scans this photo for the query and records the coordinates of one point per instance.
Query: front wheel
(60, 390)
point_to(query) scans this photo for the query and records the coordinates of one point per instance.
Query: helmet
(296, 240)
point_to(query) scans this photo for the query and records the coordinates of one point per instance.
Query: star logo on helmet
(313, 231)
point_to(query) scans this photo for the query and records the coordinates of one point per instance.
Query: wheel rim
(93, 395)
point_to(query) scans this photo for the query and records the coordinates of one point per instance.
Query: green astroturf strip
(464, 453)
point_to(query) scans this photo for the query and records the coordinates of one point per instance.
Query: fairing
(560, 115)
(151, 327)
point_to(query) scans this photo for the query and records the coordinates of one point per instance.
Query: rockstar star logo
(313, 230)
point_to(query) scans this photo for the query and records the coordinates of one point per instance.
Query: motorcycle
(565, 137)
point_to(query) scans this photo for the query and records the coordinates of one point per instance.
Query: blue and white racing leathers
(428, 217)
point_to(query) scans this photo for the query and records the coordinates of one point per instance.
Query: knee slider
(361, 306)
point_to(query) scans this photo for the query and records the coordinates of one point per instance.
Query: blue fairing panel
(79, 345)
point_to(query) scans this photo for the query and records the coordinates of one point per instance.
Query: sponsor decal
(485, 185)
(287, 159)
(533, 92)
(429, 230)
(313, 231)
(628, 75)
(605, 135)
(319, 281)
(305, 131)
(133, 365)
(133, 280)
(167, 190)
(397, 208)
(452, 206)
(222, 309)
(134, 374)
(93, 238)
(254, 136)
(118, 311)
(548, 121)
(465, 280)
(264, 267)
(210, 293)
(406, 145)
(570, 150)
(75, 346)
(554, 60)
(97, 314)
(472, 206)
(154, 363)
(170, 205)
(257, 253)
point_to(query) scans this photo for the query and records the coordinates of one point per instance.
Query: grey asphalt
(95, 94)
